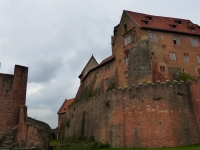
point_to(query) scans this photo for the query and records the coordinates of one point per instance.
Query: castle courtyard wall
(144, 115)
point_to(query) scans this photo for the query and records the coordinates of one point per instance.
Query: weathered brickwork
(31, 132)
(16, 128)
(13, 94)
(144, 115)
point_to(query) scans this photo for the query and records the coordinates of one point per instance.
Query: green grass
(192, 147)
(61, 145)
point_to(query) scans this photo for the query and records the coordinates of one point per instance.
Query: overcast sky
(56, 38)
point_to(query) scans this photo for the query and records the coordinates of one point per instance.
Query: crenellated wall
(160, 114)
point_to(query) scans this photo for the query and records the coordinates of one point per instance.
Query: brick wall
(13, 94)
(31, 132)
(145, 115)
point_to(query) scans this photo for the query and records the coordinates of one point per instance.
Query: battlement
(157, 86)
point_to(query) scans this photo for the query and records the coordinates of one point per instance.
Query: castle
(16, 128)
(132, 98)
(144, 48)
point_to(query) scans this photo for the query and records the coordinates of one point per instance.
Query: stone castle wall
(144, 115)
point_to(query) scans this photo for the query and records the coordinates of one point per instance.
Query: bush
(97, 145)
(184, 76)
(110, 87)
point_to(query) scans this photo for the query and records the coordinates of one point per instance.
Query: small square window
(162, 68)
(172, 56)
(186, 57)
(198, 71)
(125, 28)
(134, 38)
(198, 58)
(176, 40)
(126, 61)
(152, 37)
(126, 74)
(152, 55)
(107, 68)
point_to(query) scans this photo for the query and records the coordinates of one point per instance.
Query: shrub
(97, 145)
(184, 76)
(90, 93)
(110, 87)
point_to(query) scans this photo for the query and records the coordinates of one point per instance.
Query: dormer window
(178, 21)
(190, 23)
(149, 18)
(173, 26)
(192, 29)
(145, 22)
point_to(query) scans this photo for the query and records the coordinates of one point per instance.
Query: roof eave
(169, 30)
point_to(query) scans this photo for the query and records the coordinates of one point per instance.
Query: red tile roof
(164, 23)
(107, 59)
(65, 105)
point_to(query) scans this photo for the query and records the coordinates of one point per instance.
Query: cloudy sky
(56, 38)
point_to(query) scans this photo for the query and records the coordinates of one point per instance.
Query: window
(149, 17)
(107, 68)
(152, 37)
(162, 68)
(178, 21)
(198, 71)
(107, 81)
(125, 28)
(172, 56)
(173, 26)
(194, 42)
(152, 55)
(145, 22)
(176, 40)
(192, 29)
(127, 40)
(126, 74)
(198, 58)
(186, 57)
(134, 38)
(126, 61)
